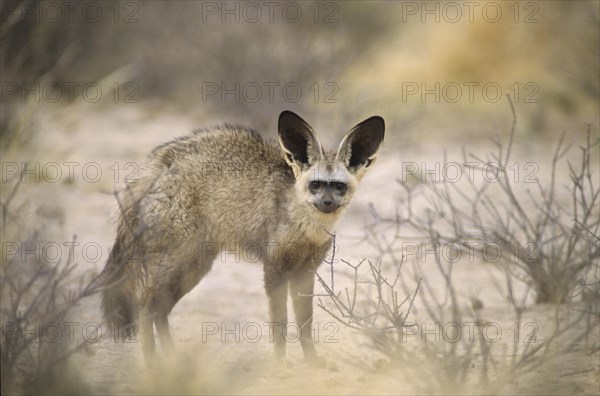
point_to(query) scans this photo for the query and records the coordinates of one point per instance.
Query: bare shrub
(38, 295)
(551, 244)
(381, 302)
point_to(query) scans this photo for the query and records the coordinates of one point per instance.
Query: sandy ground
(231, 297)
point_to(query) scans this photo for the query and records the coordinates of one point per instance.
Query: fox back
(227, 189)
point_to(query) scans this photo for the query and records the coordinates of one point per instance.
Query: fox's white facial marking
(329, 171)
(327, 186)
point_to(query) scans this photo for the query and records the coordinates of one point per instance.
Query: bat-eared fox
(224, 189)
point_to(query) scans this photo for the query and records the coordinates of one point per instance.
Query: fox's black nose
(326, 206)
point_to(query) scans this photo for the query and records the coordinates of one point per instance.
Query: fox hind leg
(178, 284)
(164, 334)
(147, 337)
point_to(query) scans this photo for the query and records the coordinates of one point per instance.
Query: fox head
(326, 180)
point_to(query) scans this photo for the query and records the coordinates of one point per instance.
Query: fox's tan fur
(228, 189)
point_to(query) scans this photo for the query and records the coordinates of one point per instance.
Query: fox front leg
(301, 291)
(276, 287)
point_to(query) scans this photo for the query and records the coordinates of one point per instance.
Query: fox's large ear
(299, 143)
(360, 146)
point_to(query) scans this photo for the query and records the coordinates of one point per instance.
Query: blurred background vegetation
(350, 59)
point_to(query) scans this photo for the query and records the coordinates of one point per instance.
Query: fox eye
(341, 186)
(315, 184)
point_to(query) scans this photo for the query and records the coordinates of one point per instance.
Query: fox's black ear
(360, 146)
(298, 141)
